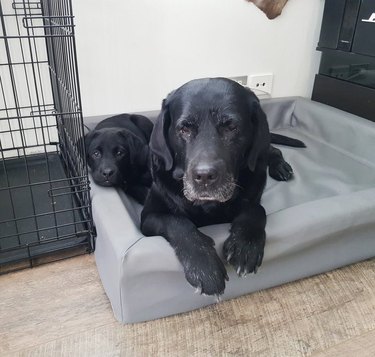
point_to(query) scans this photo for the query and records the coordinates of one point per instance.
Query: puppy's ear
(261, 135)
(159, 137)
(138, 150)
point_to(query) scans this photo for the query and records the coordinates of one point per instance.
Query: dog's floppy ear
(261, 135)
(138, 149)
(158, 141)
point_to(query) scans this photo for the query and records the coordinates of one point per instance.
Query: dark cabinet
(364, 37)
(346, 78)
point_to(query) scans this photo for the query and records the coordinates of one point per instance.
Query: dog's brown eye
(185, 130)
(96, 154)
(119, 153)
(230, 126)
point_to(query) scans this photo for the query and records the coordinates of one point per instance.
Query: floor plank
(363, 346)
(49, 301)
(61, 310)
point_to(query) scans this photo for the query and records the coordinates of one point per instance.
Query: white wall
(131, 53)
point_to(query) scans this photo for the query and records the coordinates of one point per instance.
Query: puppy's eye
(96, 154)
(119, 153)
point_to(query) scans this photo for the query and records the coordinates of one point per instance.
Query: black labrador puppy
(210, 149)
(118, 153)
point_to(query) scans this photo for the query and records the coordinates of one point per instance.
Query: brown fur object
(272, 8)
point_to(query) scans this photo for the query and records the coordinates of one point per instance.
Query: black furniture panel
(348, 66)
(349, 22)
(352, 98)
(364, 39)
(331, 23)
(346, 78)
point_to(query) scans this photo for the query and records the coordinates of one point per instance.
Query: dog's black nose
(107, 173)
(205, 175)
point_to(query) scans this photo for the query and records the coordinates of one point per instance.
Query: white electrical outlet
(261, 82)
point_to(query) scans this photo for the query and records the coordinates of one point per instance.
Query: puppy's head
(207, 132)
(112, 155)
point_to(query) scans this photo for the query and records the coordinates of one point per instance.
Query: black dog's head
(113, 154)
(207, 132)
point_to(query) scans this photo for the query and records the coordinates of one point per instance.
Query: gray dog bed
(322, 219)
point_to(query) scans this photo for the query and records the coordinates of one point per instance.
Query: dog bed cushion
(322, 219)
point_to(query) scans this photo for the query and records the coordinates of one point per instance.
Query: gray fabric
(91, 122)
(323, 219)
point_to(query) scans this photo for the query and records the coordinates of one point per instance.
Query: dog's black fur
(118, 153)
(210, 151)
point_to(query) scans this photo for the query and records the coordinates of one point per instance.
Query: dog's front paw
(280, 171)
(243, 254)
(205, 271)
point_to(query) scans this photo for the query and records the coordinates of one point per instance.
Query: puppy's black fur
(210, 151)
(118, 153)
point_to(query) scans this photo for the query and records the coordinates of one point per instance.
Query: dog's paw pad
(245, 256)
(281, 172)
(207, 274)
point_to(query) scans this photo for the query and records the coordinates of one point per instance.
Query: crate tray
(34, 221)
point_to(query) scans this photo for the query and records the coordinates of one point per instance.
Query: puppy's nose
(205, 174)
(107, 173)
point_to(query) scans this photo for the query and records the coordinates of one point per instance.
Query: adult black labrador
(210, 150)
(118, 153)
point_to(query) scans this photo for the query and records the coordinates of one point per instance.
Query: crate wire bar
(45, 209)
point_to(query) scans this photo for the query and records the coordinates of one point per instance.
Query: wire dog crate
(45, 210)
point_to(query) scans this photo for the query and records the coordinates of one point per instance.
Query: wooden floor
(60, 309)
